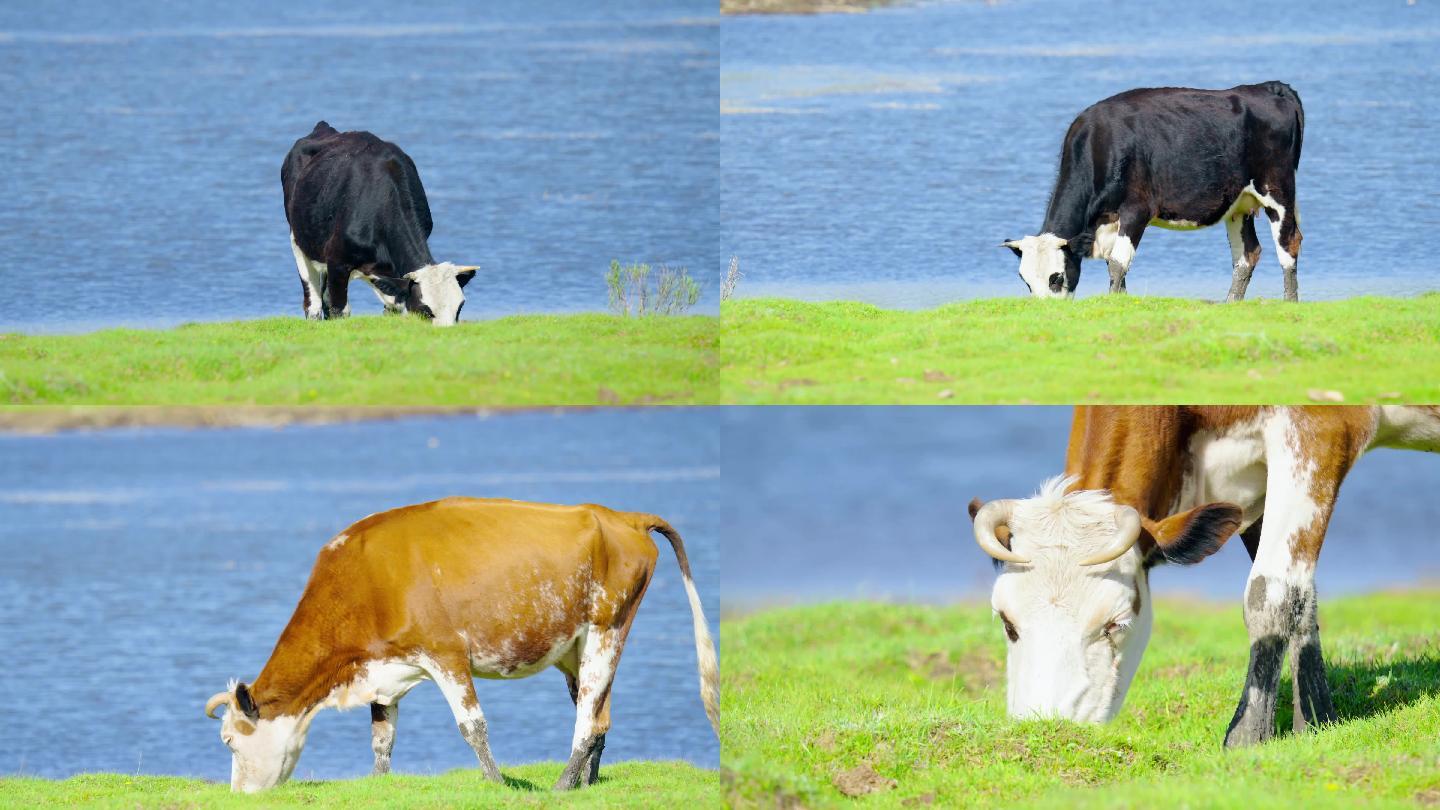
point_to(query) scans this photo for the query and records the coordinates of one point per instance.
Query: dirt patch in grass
(862, 779)
(976, 670)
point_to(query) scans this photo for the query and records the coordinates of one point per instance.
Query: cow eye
(1116, 627)
(1010, 631)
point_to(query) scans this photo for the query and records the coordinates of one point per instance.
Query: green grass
(541, 360)
(918, 694)
(622, 785)
(1114, 349)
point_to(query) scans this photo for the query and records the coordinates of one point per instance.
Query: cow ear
(1002, 532)
(1188, 537)
(1013, 245)
(465, 274)
(391, 286)
(246, 701)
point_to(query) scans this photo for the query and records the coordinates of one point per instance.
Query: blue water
(884, 156)
(143, 143)
(142, 569)
(848, 502)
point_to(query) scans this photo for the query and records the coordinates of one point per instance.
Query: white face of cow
(436, 292)
(1074, 594)
(1042, 265)
(264, 752)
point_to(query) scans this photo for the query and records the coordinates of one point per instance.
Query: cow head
(433, 291)
(1047, 267)
(1073, 594)
(263, 750)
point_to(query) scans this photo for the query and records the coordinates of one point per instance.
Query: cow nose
(1057, 282)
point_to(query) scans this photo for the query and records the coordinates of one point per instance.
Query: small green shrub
(635, 290)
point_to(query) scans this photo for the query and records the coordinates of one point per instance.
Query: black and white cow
(357, 210)
(1177, 158)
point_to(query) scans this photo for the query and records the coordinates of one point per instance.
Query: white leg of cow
(1285, 230)
(1122, 253)
(382, 734)
(312, 281)
(459, 691)
(599, 656)
(1280, 593)
(1243, 250)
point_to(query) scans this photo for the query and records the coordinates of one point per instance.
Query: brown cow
(447, 591)
(1151, 485)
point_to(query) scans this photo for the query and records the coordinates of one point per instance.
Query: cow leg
(1280, 594)
(1285, 229)
(1244, 253)
(312, 281)
(1122, 251)
(337, 287)
(599, 656)
(459, 689)
(382, 734)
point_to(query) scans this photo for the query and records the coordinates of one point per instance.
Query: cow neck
(1135, 453)
(408, 248)
(310, 659)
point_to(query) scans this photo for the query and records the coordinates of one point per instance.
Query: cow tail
(704, 647)
(1297, 137)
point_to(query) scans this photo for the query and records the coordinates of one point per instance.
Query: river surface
(143, 146)
(883, 157)
(844, 503)
(144, 568)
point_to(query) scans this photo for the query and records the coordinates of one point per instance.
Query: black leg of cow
(382, 734)
(337, 286)
(1254, 720)
(1313, 703)
(1290, 238)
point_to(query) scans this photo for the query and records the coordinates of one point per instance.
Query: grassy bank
(1101, 349)
(623, 785)
(549, 360)
(910, 701)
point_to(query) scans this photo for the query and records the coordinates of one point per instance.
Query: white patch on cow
(1233, 232)
(439, 290)
(1289, 510)
(380, 681)
(267, 756)
(500, 664)
(1409, 427)
(598, 657)
(1079, 641)
(1123, 252)
(1226, 466)
(1104, 240)
(312, 275)
(1041, 258)
(337, 542)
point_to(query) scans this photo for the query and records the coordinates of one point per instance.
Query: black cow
(1177, 158)
(356, 209)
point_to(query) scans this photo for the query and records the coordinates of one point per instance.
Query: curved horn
(991, 516)
(215, 701)
(1127, 531)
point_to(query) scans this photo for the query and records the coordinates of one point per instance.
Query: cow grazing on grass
(1147, 486)
(446, 591)
(1177, 158)
(357, 210)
